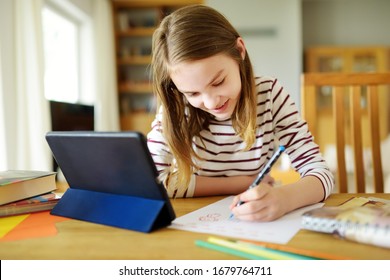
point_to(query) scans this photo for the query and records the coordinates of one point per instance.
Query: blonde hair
(191, 33)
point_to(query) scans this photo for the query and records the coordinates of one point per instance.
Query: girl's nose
(210, 101)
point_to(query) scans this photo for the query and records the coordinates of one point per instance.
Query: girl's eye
(188, 94)
(191, 94)
(219, 83)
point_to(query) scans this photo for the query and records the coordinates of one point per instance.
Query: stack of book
(27, 191)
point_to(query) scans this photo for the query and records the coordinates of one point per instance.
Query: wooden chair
(349, 110)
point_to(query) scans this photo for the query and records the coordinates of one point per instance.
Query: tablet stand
(129, 212)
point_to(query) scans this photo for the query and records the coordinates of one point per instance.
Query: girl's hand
(268, 180)
(263, 203)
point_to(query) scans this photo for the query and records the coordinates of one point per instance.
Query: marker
(264, 172)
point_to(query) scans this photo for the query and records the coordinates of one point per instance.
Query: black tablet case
(112, 180)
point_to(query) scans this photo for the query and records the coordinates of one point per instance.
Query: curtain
(106, 106)
(24, 111)
(31, 118)
(3, 150)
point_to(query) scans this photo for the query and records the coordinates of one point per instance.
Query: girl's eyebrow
(216, 76)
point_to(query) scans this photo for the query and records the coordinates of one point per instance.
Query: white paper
(214, 219)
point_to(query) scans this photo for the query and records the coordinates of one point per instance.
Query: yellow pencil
(300, 251)
(257, 251)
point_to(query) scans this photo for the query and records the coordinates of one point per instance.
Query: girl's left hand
(262, 203)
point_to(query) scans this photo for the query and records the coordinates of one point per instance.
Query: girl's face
(212, 84)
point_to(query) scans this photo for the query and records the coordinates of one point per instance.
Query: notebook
(360, 219)
(112, 180)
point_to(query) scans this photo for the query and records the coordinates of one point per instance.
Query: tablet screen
(112, 162)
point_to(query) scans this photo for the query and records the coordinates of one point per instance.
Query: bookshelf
(134, 24)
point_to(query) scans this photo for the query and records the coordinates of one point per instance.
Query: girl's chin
(222, 113)
(222, 117)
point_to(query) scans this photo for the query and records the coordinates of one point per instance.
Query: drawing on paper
(214, 219)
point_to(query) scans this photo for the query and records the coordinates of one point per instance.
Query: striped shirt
(223, 151)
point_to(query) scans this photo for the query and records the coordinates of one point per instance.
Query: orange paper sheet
(40, 224)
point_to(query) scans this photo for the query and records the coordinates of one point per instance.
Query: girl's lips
(222, 108)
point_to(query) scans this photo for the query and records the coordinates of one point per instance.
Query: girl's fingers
(256, 193)
(268, 180)
(236, 199)
(249, 208)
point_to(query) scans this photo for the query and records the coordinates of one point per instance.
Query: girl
(218, 125)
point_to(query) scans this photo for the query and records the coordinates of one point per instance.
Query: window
(67, 44)
(61, 57)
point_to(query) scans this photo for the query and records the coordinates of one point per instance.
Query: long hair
(191, 33)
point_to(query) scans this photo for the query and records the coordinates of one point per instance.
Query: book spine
(28, 208)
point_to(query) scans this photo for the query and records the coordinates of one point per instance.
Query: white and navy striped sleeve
(292, 132)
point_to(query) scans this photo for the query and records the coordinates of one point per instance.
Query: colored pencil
(294, 250)
(266, 253)
(227, 250)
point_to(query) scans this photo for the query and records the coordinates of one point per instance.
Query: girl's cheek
(195, 103)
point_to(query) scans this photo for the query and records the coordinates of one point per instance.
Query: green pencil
(262, 252)
(230, 251)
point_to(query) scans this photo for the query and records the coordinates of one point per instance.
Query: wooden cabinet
(134, 23)
(347, 59)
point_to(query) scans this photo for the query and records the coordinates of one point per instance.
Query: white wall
(272, 32)
(346, 22)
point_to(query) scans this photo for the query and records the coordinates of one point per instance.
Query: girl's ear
(241, 47)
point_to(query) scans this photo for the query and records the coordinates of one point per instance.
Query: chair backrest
(347, 92)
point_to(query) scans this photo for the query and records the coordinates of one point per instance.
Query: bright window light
(61, 52)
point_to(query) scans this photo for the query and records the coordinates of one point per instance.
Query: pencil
(267, 167)
(227, 250)
(294, 250)
(263, 172)
(259, 251)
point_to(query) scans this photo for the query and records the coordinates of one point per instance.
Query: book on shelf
(364, 220)
(30, 205)
(21, 184)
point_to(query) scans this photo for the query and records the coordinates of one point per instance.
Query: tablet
(109, 164)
